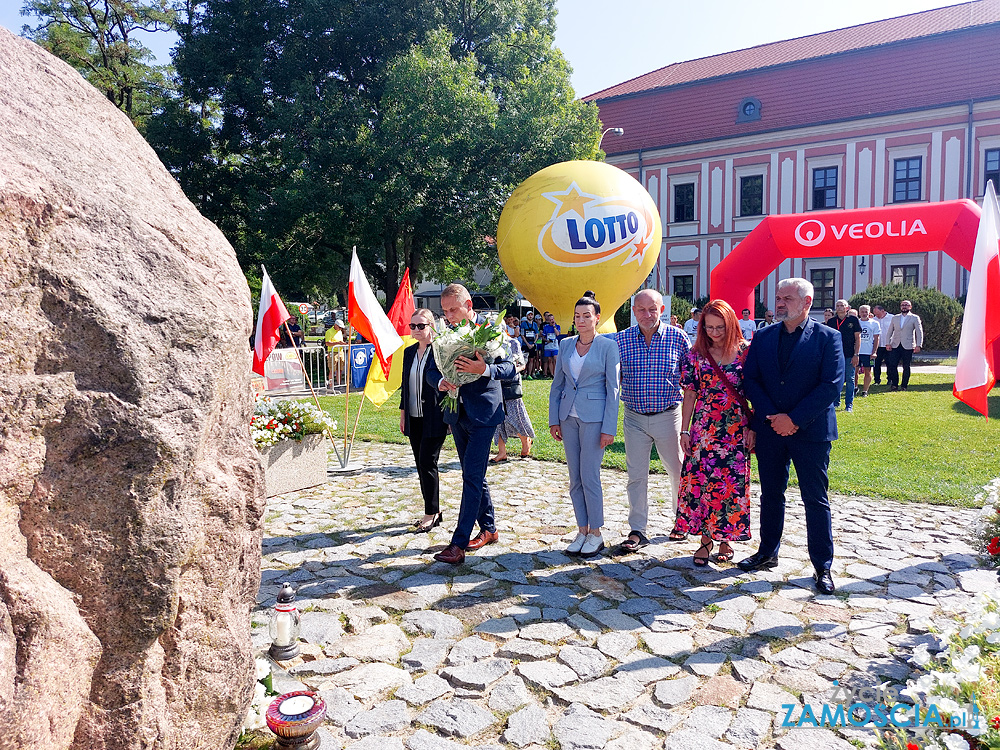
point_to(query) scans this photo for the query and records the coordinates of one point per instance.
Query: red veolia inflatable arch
(950, 226)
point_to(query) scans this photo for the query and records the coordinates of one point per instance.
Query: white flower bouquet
(466, 340)
(958, 696)
(263, 690)
(276, 420)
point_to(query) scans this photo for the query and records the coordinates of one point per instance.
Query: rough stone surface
(582, 729)
(379, 643)
(528, 725)
(479, 675)
(456, 717)
(369, 681)
(132, 496)
(509, 694)
(588, 663)
(424, 690)
(675, 692)
(603, 694)
(390, 716)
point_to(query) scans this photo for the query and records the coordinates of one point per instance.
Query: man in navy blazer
(792, 376)
(480, 410)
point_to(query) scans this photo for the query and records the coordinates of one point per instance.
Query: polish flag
(270, 315)
(979, 348)
(367, 316)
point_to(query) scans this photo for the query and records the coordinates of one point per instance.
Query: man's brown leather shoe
(452, 554)
(482, 539)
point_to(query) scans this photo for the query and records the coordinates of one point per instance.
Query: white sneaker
(592, 545)
(575, 546)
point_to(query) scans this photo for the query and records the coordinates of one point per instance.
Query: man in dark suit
(480, 410)
(793, 373)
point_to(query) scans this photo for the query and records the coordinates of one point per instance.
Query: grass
(919, 445)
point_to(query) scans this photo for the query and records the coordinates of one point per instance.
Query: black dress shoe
(758, 561)
(824, 582)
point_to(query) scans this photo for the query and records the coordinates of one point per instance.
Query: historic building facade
(901, 110)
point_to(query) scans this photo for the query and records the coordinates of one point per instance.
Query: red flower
(994, 546)
(995, 722)
(912, 746)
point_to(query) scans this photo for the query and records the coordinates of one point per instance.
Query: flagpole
(305, 374)
(347, 392)
(357, 419)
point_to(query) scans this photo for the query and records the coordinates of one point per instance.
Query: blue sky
(609, 41)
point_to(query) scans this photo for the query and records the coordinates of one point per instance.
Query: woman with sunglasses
(420, 417)
(715, 436)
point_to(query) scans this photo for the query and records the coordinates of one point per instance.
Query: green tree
(400, 128)
(98, 38)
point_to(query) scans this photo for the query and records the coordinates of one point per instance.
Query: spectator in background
(827, 314)
(513, 328)
(767, 321)
(550, 339)
(334, 341)
(850, 333)
(530, 333)
(516, 420)
(870, 332)
(691, 325)
(884, 320)
(675, 322)
(747, 326)
(906, 336)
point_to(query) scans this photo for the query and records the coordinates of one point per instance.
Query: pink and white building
(901, 110)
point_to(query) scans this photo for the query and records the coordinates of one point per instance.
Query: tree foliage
(304, 127)
(98, 38)
(940, 315)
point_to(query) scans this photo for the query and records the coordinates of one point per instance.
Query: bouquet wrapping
(465, 340)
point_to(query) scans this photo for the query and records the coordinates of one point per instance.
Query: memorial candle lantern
(294, 718)
(284, 626)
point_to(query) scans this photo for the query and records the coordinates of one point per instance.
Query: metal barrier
(284, 373)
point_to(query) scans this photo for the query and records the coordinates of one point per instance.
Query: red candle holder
(294, 718)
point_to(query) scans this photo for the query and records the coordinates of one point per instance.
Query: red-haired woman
(715, 436)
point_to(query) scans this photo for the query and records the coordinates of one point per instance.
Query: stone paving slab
(524, 646)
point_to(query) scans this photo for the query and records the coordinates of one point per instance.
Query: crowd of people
(707, 395)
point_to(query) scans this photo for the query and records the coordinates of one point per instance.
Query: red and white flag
(270, 315)
(979, 347)
(367, 316)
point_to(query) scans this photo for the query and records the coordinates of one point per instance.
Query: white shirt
(691, 329)
(869, 330)
(416, 375)
(575, 367)
(883, 323)
(748, 327)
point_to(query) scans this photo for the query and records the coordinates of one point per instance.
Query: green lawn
(920, 445)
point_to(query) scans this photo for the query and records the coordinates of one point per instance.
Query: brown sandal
(723, 555)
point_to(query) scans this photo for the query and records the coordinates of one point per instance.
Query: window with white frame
(752, 195)
(907, 176)
(683, 208)
(824, 188)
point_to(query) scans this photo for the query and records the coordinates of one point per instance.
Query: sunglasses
(418, 326)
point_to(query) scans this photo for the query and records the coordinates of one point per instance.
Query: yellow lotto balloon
(575, 226)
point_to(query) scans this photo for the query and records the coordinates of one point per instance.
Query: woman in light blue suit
(583, 415)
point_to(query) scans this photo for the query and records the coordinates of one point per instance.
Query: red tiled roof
(877, 33)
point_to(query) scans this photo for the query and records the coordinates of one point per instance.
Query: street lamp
(616, 131)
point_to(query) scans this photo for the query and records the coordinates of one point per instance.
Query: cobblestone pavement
(526, 647)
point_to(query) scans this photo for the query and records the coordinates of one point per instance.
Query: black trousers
(881, 358)
(896, 356)
(426, 450)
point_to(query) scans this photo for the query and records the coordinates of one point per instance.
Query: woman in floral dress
(716, 437)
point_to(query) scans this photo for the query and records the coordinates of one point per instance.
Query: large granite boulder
(130, 494)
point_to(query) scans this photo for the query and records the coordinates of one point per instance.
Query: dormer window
(749, 110)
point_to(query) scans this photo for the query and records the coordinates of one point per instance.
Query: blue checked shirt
(650, 377)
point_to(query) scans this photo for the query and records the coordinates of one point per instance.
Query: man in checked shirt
(651, 353)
